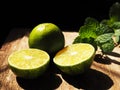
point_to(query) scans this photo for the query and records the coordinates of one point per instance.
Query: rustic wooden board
(104, 73)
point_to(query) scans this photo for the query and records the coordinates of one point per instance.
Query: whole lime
(75, 59)
(29, 63)
(47, 37)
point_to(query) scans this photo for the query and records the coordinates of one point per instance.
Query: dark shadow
(3, 37)
(113, 54)
(17, 33)
(45, 82)
(105, 59)
(114, 61)
(91, 80)
(100, 59)
(48, 81)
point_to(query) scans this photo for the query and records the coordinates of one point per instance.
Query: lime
(75, 58)
(46, 36)
(29, 63)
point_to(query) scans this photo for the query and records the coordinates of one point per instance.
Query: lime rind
(34, 69)
(30, 73)
(74, 57)
(80, 65)
(77, 68)
(34, 60)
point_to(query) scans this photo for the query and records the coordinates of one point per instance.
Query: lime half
(29, 63)
(75, 59)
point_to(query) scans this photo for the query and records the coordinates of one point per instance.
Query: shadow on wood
(91, 80)
(45, 82)
(106, 59)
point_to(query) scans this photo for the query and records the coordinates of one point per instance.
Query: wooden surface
(104, 73)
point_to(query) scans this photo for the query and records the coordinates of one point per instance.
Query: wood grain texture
(104, 73)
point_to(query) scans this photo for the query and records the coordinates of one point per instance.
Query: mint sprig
(102, 34)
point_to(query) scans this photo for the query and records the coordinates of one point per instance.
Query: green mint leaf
(117, 36)
(91, 22)
(104, 38)
(117, 31)
(86, 35)
(103, 28)
(105, 42)
(106, 22)
(77, 40)
(114, 12)
(116, 25)
(87, 32)
(89, 28)
(107, 47)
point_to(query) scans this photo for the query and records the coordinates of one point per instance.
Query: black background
(68, 15)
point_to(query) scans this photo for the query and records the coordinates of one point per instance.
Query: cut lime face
(29, 63)
(75, 59)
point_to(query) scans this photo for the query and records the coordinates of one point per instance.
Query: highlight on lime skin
(47, 37)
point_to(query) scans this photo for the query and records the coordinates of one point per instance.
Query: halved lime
(29, 63)
(75, 58)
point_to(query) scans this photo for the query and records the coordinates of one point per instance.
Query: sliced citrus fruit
(46, 36)
(75, 58)
(29, 63)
